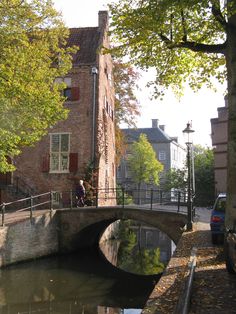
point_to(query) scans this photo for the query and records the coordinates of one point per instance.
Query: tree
(176, 179)
(133, 258)
(32, 55)
(143, 163)
(125, 83)
(126, 104)
(203, 173)
(122, 197)
(184, 40)
(204, 176)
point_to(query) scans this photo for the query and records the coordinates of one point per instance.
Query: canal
(116, 278)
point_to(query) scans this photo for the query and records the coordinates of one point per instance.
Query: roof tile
(88, 41)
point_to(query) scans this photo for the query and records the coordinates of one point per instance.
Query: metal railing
(26, 204)
(96, 197)
(184, 300)
(123, 197)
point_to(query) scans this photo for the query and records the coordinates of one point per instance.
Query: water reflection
(86, 282)
(141, 249)
(83, 283)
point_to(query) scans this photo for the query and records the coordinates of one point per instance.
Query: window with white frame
(148, 192)
(128, 173)
(162, 155)
(59, 152)
(66, 80)
(175, 155)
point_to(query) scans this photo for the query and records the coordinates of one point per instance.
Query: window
(150, 239)
(67, 93)
(119, 173)
(128, 174)
(66, 80)
(71, 93)
(175, 155)
(148, 194)
(105, 101)
(59, 152)
(162, 155)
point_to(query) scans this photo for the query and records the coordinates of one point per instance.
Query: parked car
(217, 221)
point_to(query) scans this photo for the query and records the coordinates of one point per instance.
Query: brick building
(87, 137)
(219, 138)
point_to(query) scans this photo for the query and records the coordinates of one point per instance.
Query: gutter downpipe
(94, 73)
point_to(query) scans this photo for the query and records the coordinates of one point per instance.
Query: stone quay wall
(29, 239)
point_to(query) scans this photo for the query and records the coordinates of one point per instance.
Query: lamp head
(188, 133)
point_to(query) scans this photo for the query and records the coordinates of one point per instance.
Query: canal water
(84, 282)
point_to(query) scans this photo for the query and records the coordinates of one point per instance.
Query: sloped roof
(87, 39)
(154, 135)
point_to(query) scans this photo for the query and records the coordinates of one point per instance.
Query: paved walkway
(214, 290)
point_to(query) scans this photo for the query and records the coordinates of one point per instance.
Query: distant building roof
(154, 135)
(87, 39)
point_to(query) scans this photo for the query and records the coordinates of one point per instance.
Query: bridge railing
(31, 203)
(152, 197)
(121, 196)
(95, 197)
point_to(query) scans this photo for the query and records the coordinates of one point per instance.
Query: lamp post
(188, 132)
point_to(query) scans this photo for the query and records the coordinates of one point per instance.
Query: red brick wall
(31, 163)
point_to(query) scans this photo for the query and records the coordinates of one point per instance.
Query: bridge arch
(80, 228)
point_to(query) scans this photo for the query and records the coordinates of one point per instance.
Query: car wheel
(214, 238)
(228, 261)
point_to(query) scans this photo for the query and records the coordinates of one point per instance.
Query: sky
(198, 107)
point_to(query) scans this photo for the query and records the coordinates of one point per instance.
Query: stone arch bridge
(83, 227)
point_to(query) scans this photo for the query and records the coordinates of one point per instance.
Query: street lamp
(188, 133)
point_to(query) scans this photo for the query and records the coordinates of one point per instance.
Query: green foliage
(134, 259)
(32, 37)
(148, 262)
(184, 40)
(204, 176)
(176, 179)
(125, 199)
(143, 162)
(126, 235)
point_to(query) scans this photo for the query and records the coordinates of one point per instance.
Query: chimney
(103, 20)
(162, 127)
(154, 123)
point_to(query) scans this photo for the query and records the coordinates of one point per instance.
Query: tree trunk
(139, 196)
(231, 169)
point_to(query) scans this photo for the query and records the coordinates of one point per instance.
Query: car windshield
(220, 205)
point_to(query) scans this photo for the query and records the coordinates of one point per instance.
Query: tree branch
(218, 15)
(194, 46)
(183, 25)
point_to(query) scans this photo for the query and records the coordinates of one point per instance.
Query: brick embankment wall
(165, 296)
(28, 239)
(213, 288)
